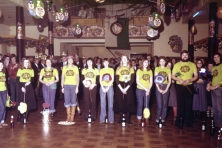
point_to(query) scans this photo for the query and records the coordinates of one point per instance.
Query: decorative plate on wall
(116, 28)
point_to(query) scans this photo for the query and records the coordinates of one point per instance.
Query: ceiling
(8, 9)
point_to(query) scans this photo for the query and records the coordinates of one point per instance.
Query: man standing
(12, 72)
(216, 90)
(185, 73)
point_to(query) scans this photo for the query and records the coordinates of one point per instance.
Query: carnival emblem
(2, 79)
(146, 77)
(39, 10)
(185, 69)
(125, 72)
(159, 79)
(70, 73)
(107, 78)
(48, 74)
(215, 73)
(90, 75)
(152, 33)
(163, 73)
(126, 78)
(26, 76)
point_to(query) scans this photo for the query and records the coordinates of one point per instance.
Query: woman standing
(162, 90)
(200, 99)
(144, 80)
(70, 87)
(49, 77)
(106, 87)
(90, 79)
(3, 94)
(173, 95)
(26, 93)
(124, 96)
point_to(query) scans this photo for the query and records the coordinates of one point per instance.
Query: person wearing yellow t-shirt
(144, 81)
(106, 88)
(49, 77)
(3, 95)
(70, 87)
(162, 90)
(216, 89)
(25, 76)
(184, 73)
(90, 77)
(124, 96)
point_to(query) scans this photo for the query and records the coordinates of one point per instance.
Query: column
(51, 46)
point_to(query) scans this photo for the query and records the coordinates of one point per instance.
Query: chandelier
(100, 1)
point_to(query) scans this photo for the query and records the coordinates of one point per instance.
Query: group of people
(128, 86)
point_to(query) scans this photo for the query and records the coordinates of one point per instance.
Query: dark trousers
(90, 102)
(14, 90)
(184, 104)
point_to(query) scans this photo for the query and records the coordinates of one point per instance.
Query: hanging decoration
(36, 8)
(116, 28)
(212, 29)
(77, 30)
(161, 6)
(62, 15)
(175, 43)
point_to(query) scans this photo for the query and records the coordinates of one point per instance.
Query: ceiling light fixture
(100, 1)
(196, 14)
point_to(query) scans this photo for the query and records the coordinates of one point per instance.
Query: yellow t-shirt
(184, 70)
(163, 71)
(90, 74)
(48, 74)
(216, 72)
(25, 75)
(106, 75)
(124, 73)
(70, 74)
(144, 77)
(2, 81)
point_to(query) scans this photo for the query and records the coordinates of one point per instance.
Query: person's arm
(77, 83)
(132, 77)
(101, 85)
(138, 83)
(168, 84)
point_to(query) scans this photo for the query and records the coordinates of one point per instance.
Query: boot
(68, 112)
(72, 113)
(128, 118)
(19, 117)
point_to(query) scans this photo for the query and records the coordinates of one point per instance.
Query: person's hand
(62, 90)
(23, 89)
(147, 92)
(181, 81)
(91, 86)
(27, 83)
(77, 90)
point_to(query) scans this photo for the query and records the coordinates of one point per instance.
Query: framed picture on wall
(138, 55)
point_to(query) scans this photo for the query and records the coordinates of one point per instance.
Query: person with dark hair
(106, 88)
(216, 89)
(26, 93)
(124, 96)
(12, 71)
(90, 77)
(162, 90)
(35, 84)
(172, 97)
(70, 87)
(144, 80)
(3, 94)
(49, 77)
(208, 77)
(199, 99)
(184, 73)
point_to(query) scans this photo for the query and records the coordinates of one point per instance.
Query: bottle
(219, 135)
(160, 125)
(208, 112)
(89, 117)
(212, 127)
(203, 127)
(143, 122)
(123, 121)
(106, 119)
(12, 122)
